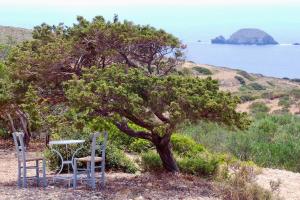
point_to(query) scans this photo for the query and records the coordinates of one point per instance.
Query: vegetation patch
(259, 107)
(256, 86)
(245, 75)
(241, 80)
(202, 70)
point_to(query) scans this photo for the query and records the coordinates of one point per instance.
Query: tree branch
(122, 126)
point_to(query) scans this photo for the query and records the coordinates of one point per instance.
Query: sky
(190, 20)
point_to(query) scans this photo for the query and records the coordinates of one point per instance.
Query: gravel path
(119, 186)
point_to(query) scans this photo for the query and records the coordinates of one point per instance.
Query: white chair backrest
(19, 144)
(101, 147)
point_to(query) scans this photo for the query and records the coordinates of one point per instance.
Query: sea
(281, 61)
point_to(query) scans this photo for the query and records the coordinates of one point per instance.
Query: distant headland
(247, 36)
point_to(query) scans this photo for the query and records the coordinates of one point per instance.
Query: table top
(64, 142)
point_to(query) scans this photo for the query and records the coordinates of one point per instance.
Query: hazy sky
(190, 20)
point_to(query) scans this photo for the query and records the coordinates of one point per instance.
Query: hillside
(10, 34)
(280, 95)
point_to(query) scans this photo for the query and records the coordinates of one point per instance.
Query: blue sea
(272, 60)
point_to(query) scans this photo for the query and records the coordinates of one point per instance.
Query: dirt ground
(119, 186)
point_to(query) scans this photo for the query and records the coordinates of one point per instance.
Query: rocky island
(247, 36)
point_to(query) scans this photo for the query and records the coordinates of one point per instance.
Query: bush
(241, 80)
(199, 164)
(202, 70)
(245, 75)
(116, 159)
(151, 161)
(284, 102)
(4, 134)
(256, 86)
(259, 107)
(245, 98)
(192, 158)
(185, 146)
(140, 145)
(271, 140)
(241, 185)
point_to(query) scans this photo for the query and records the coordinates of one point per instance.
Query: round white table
(66, 161)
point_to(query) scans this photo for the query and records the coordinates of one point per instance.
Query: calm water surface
(271, 60)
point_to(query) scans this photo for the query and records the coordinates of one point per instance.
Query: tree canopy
(156, 104)
(119, 71)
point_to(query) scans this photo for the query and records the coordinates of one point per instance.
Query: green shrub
(199, 164)
(284, 102)
(4, 134)
(245, 98)
(256, 86)
(202, 70)
(241, 80)
(140, 145)
(116, 159)
(270, 141)
(245, 75)
(150, 161)
(185, 146)
(259, 107)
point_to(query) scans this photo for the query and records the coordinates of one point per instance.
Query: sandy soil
(120, 186)
(289, 182)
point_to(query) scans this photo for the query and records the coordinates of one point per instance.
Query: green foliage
(4, 134)
(256, 86)
(284, 102)
(6, 85)
(202, 70)
(31, 107)
(192, 158)
(151, 161)
(140, 145)
(246, 75)
(199, 165)
(259, 107)
(117, 160)
(241, 80)
(185, 146)
(270, 141)
(245, 98)
(143, 96)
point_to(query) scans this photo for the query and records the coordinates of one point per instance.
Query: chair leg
(102, 174)
(93, 178)
(24, 176)
(44, 174)
(75, 175)
(37, 170)
(88, 173)
(19, 175)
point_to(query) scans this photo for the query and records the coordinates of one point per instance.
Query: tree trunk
(166, 155)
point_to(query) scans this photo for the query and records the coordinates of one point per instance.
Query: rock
(219, 40)
(139, 198)
(296, 43)
(149, 184)
(247, 36)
